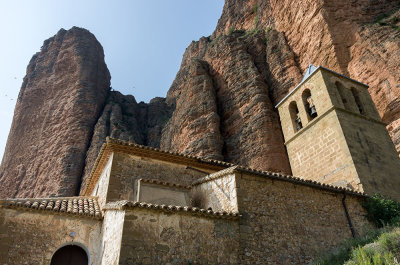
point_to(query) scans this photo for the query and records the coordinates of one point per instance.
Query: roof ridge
(49, 198)
(121, 205)
(164, 183)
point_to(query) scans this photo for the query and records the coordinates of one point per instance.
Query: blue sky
(143, 41)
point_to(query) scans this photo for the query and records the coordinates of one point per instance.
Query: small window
(294, 115)
(356, 96)
(309, 105)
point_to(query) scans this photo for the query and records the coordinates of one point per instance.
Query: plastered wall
(217, 192)
(112, 236)
(101, 188)
(30, 237)
(155, 237)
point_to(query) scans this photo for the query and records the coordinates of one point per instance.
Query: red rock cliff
(59, 103)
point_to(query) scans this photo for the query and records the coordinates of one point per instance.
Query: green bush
(382, 211)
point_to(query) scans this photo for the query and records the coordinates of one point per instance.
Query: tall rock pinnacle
(60, 100)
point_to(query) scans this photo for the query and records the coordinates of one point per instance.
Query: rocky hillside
(221, 104)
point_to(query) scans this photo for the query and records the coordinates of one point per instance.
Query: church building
(142, 205)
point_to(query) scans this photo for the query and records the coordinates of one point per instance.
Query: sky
(143, 41)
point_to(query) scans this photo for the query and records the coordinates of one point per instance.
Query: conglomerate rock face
(221, 104)
(60, 100)
(123, 118)
(359, 39)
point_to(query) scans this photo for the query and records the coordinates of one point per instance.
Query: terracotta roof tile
(81, 206)
(163, 183)
(122, 205)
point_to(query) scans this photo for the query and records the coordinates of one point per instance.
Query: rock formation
(360, 39)
(221, 104)
(60, 100)
(124, 119)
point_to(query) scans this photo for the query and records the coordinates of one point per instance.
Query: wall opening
(295, 117)
(309, 105)
(70, 255)
(356, 96)
(342, 92)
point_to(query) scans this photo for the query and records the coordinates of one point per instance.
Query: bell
(299, 125)
(313, 111)
(311, 107)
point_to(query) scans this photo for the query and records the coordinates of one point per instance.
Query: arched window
(356, 96)
(70, 255)
(309, 105)
(295, 117)
(342, 92)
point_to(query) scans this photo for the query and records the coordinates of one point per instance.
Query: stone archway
(70, 255)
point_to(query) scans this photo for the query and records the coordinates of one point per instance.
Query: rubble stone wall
(285, 223)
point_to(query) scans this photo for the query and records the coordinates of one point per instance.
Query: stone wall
(373, 153)
(286, 223)
(346, 144)
(127, 169)
(321, 98)
(333, 82)
(156, 237)
(320, 153)
(29, 237)
(319, 150)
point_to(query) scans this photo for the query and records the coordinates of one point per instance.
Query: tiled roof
(277, 176)
(82, 206)
(122, 205)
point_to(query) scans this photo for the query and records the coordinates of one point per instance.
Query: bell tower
(334, 134)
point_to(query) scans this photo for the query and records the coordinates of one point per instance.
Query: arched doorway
(70, 255)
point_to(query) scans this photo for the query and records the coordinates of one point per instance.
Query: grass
(384, 251)
(255, 8)
(214, 41)
(344, 252)
(383, 20)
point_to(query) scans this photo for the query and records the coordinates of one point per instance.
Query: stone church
(147, 206)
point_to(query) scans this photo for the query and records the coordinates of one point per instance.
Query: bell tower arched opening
(309, 104)
(294, 115)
